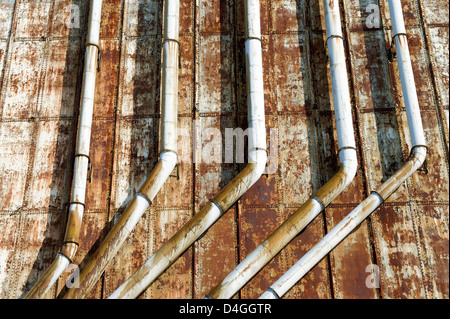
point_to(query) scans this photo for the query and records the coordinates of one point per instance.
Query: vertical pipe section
(167, 160)
(217, 206)
(257, 259)
(371, 203)
(81, 162)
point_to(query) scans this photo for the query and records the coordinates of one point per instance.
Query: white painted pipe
(81, 161)
(216, 207)
(406, 74)
(95, 267)
(258, 258)
(371, 203)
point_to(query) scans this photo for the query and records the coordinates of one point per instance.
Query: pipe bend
(161, 172)
(124, 226)
(340, 180)
(259, 158)
(419, 155)
(169, 160)
(243, 181)
(417, 158)
(50, 276)
(349, 164)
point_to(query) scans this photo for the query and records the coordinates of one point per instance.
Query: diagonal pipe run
(371, 203)
(167, 160)
(258, 258)
(216, 207)
(82, 161)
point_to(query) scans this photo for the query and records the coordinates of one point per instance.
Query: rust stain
(407, 238)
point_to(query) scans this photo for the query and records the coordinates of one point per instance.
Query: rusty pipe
(384, 191)
(345, 227)
(258, 258)
(81, 162)
(167, 161)
(216, 207)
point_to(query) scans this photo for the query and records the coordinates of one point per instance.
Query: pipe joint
(69, 250)
(253, 38)
(273, 292)
(145, 198)
(399, 34)
(171, 40)
(322, 205)
(166, 151)
(414, 150)
(375, 193)
(217, 205)
(99, 54)
(335, 36)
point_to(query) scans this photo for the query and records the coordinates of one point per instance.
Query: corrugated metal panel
(40, 74)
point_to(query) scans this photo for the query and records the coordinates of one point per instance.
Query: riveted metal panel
(16, 140)
(6, 16)
(70, 13)
(135, 156)
(435, 11)
(398, 257)
(30, 261)
(439, 48)
(41, 55)
(351, 261)
(8, 245)
(295, 176)
(316, 284)
(20, 95)
(215, 73)
(256, 224)
(176, 281)
(51, 168)
(433, 234)
(100, 156)
(60, 86)
(212, 174)
(292, 72)
(32, 22)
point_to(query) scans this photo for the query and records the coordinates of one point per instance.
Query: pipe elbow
(349, 164)
(415, 161)
(69, 250)
(166, 164)
(259, 158)
(345, 175)
(169, 160)
(419, 154)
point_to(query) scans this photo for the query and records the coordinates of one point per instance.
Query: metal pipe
(371, 203)
(257, 259)
(167, 161)
(81, 162)
(216, 207)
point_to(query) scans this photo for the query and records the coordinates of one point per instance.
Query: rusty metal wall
(40, 76)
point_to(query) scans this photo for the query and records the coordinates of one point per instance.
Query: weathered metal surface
(407, 238)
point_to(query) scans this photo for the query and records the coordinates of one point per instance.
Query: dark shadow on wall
(323, 146)
(382, 94)
(318, 117)
(143, 121)
(65, 144)
(224, 116)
